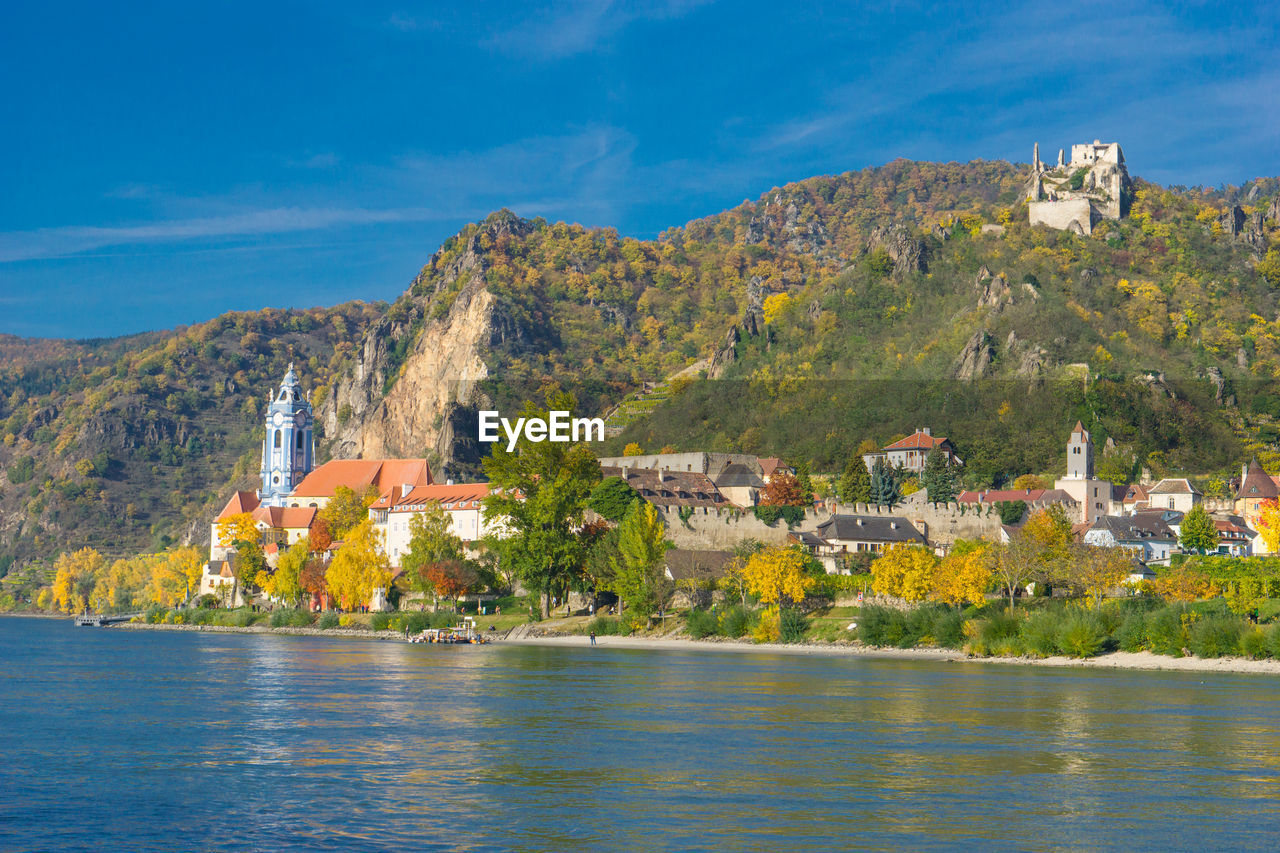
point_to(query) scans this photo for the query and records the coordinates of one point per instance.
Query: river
(140, 740)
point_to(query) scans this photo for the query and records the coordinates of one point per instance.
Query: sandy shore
(1112, 660)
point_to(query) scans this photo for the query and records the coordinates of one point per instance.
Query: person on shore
(593, 638)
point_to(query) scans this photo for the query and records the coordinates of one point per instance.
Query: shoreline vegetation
(572, 632)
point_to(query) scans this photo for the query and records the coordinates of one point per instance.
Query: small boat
(456, 635)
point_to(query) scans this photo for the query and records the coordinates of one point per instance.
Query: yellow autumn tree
(962, 577)
(359, 567)
(236, 528)
(73, 579)
(1095, 571)
(633, 449)
(777, 576)
(1269, 525)
(904, 571)
(1184, 583)
(175, 575)
(122, 586)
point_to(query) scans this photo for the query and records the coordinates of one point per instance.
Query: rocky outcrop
(974, 361)
(906, 252)
(1249, 229)
(778, 222)
(752, 324)
(1032, 359)
(993, 291)
(423, 406)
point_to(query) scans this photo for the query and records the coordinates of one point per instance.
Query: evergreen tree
(886, 483)
(1199, 533)
(855, 483)
(939, 477)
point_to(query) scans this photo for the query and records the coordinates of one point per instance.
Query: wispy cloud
(71, 240)
(584, 25)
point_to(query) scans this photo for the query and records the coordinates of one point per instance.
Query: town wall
(1060, 214)
(722, 529)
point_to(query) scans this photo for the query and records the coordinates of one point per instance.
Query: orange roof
(769, 464)
(240, 502)
(286, 517)
(919, 440)
(359, 474)
(466, 493)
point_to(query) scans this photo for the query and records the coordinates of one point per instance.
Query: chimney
(925, 430)
(449, 481)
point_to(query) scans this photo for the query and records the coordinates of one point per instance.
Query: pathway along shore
(1111, 660)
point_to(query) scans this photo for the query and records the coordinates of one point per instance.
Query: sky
(162, 163)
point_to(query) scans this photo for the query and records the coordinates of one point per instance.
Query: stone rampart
(1060, 214)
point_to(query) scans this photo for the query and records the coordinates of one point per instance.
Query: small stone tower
(288, 451)
(1079, 454)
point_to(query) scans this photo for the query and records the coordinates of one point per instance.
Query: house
(1148, 535)
(1177, 493)
(463, 502)
(1257, 488)
(740, 485)
(770, 465)
(911, 452)
(666, 488)
(1132, 498)
(276, 525)
(841, 535)
(1235, 539)
(219, 580)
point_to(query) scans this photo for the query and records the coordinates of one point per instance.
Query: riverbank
(1110, 660)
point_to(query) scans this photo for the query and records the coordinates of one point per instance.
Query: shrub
(737, 621)
(346, 620)
(1132, 634)
(792, 626)
(1269, 610)
(1215, 637)
(701, 624)
(766, 629)
(1039, 633)
(155, 614)
(381, 621)
(327, 620)
(1165, 632)
(605, 626)
(881, 626)
(290, 619)
(948, 629)
(1254, 644)
(242, 618)
(1082, 635)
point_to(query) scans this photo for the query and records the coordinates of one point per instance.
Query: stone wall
(722, 529)
(1060, 214)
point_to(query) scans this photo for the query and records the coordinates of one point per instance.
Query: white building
(1173, 493)
(463, 502)
(1093, 495)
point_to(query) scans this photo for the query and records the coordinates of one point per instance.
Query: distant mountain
(826, 313)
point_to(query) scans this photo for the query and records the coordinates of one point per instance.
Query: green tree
(540, 493)
(431, 543)
(286, 581)
(1198, 533)
(886, 483)
(855, 482)
(939, 477)
(638, 574)
(612, 497)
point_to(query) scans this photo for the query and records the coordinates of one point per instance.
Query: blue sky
(163, 163)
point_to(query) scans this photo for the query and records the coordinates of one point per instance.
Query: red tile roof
(1029, 495)
(286, 517)
(359, 474)
(918, 440)
(466, 493)
(1257, 484)
(240, 502)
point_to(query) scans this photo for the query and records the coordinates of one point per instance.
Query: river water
(113, 739)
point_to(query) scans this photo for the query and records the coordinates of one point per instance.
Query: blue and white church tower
(288, 451)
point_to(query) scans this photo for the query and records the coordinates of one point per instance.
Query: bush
(948, 629)
(1132, 634)
(156, 614)
(792, 626)
(380, 621)
(701, 624)
(1215, 637)
(1254, 644)
(327, 620)
(290, 618)
(1269, 610)
(766, 629)
(737, 621)
(1082, 635)
(881, 626)
(242, 618)
(605, 626)
(1165, 632)
(1039, 633)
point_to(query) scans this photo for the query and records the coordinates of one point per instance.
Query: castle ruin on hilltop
(1076, 196)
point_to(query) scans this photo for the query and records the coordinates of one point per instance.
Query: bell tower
(1079, 454)
(288, 450)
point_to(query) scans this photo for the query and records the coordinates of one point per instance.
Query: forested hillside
(829, 313)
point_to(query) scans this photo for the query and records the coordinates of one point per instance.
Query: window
(277, 439)
(299, 441)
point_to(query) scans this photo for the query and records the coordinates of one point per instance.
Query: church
(293, 489)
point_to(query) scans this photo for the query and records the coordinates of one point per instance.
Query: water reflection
(262, 742)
